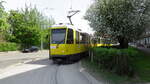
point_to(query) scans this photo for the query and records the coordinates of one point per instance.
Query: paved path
(36, 68)
(10, 58)
(45, 72)
(146, 50)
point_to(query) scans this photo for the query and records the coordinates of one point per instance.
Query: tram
(67, 43)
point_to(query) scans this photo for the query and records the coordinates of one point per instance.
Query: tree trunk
(123, 42)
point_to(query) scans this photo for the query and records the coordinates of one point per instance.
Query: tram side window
(83, 39)
(77, 38)
(70, 36)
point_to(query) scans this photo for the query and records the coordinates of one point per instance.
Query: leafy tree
(26, 26)
(22, 31)
(123, 20)
(3, 23)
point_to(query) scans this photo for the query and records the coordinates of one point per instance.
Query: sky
(58, 9)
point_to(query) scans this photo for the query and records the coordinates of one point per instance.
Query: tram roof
(63, 25)
(67, 25)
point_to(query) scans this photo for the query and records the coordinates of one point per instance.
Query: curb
(90, 78)
(10, 52)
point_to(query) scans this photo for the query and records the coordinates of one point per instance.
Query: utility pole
(72, 13)
(42, 37)
(43, 26)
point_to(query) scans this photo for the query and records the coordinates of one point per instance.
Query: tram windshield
(58, 36)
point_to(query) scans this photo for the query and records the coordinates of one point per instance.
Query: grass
(141, 65)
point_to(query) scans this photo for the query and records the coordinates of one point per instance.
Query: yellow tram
(67, 43)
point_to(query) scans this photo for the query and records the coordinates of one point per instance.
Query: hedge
(7, 46)
(116, 60)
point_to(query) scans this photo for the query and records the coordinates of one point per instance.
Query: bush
(6, 46)
(116, 60)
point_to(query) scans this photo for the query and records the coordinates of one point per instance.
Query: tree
(22, 31)
(26, 26)
(123, 20)
(3, 23)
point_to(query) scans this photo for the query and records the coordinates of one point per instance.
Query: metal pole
(43, 26)
(42, 38)
(69, 17)
(73, 13)
(41, 43)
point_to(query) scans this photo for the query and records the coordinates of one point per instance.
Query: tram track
(56, 74)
